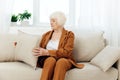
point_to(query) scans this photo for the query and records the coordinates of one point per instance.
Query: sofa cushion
(91, 72)
(106, 58)
(21, 71)
(25, 44)
(87, 44)
(7, 47)
(18, 71)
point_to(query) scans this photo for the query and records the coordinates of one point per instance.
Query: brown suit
(64, 52)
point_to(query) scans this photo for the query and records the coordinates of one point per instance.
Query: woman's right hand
(36, 52)
(40, 52)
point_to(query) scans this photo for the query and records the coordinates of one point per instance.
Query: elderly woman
(55, 52)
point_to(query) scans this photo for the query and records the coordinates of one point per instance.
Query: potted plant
(14, 19)
(24, 17)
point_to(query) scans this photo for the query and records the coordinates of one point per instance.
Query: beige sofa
(17, 62)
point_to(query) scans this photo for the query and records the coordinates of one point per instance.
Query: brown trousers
(55, 70)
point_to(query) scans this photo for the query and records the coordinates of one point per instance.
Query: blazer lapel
(62, 38)
(48, 38)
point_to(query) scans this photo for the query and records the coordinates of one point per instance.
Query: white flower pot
(13, 24)
(24, 23)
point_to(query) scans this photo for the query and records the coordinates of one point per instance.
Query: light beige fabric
(21, 71)
(7, 47)
(18, 71)
(91, 72)
(106, 58)
(25, 44)
(87, 45)
(118, 67)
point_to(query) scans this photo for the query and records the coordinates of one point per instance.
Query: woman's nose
(51, 22)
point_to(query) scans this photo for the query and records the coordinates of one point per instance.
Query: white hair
(60, 16)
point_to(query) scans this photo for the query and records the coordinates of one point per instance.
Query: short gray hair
(60, 16)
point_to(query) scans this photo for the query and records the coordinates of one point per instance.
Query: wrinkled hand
(40, 52)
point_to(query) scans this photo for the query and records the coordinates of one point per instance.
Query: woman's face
(54, 24)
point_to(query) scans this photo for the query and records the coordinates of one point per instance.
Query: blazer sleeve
(42, 41)
(66, 50)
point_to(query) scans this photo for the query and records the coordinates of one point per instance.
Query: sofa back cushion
(7, 46)
(106, 58)
(25, 44)
(87, 45)
(18, 47)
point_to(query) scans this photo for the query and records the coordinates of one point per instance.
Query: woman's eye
(53, 20)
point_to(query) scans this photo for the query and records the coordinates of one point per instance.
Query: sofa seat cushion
(91, 72)
(18, 71)
(22, 71)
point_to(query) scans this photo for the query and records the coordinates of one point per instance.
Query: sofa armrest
(118, 67)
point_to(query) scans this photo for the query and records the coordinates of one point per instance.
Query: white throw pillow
(25, 44)
(7, 47)
(87, 45)
(106, 58)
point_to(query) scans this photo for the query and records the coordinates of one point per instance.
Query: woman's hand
(40, 52)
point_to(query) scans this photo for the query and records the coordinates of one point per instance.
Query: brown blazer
(65, 46)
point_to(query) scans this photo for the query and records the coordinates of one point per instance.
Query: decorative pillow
(25, 44)
(87, 45)
(7, 47)
(106, 58)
